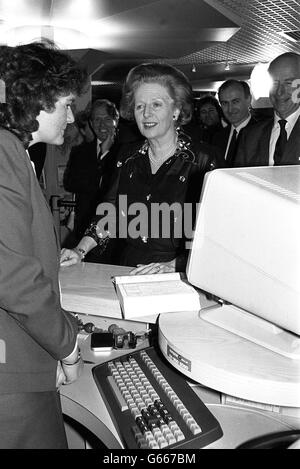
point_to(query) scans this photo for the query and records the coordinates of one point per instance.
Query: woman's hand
(69, 257)
(154, 268)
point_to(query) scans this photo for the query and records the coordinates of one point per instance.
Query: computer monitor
(246, 252)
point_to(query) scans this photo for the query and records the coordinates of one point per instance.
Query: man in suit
(277, 141)
(39, 339)
(91, 164)
(235, 101)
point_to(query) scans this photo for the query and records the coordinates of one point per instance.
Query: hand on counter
(69, 369)
(69, 257)
(72, 372)
(60, 376)
(154, 268)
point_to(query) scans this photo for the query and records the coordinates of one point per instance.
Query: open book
(144, 297)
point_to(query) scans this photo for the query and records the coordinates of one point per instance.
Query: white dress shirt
(99, 150)
(238, 128)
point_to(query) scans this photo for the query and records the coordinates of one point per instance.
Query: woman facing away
(38, 339)
(151, 205)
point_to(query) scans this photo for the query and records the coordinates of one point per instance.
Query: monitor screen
(246, 245)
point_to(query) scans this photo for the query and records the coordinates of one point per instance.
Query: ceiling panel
(116, 34)
(94, 9)
(259, 39)
(164, 28)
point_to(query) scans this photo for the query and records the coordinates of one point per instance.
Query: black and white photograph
(149, 233)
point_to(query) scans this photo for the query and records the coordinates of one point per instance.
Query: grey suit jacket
(35, 331)
(254, 144)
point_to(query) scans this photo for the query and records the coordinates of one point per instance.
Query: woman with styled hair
(211, 117)
(39, 349)
(166, 170)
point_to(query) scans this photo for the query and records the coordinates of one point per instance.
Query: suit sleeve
(27, 294)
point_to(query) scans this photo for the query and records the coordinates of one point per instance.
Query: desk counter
(87, 289)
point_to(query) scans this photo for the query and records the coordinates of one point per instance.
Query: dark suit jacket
(220, 138)
(254, 145)
(82, 177)
(35, 331)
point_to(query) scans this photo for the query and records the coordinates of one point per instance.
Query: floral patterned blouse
(154, 213)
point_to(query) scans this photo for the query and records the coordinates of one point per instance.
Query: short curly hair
(166, 75)
(35, 76)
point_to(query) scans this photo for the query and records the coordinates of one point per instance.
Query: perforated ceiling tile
(260, 38)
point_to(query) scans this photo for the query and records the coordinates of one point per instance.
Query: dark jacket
(89, 180)
(254, 145)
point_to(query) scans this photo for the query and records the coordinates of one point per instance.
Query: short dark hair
(166, 75)
(209, 99)
(240, 83)
(110, 107)
(35, 75)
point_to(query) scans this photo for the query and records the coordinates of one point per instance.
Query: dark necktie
(99, 160)
(99, 152)
(280, 144)
(232, 149)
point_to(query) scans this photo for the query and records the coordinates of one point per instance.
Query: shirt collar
(241, 125)
(291, 119)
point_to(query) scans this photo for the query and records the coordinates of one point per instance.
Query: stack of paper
(144, 297)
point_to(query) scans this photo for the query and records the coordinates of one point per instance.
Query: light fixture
(260, 81)
(227, 66)
(194, 68)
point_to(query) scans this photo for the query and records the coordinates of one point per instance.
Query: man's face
(235, 104)
(52, 124)
(103, 124)
(285, 75)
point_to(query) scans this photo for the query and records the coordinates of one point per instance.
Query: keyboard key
(120, 399)
(162, 443)
(170, 438)
(178, 435)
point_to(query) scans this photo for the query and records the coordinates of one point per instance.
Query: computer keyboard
(151, 404)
